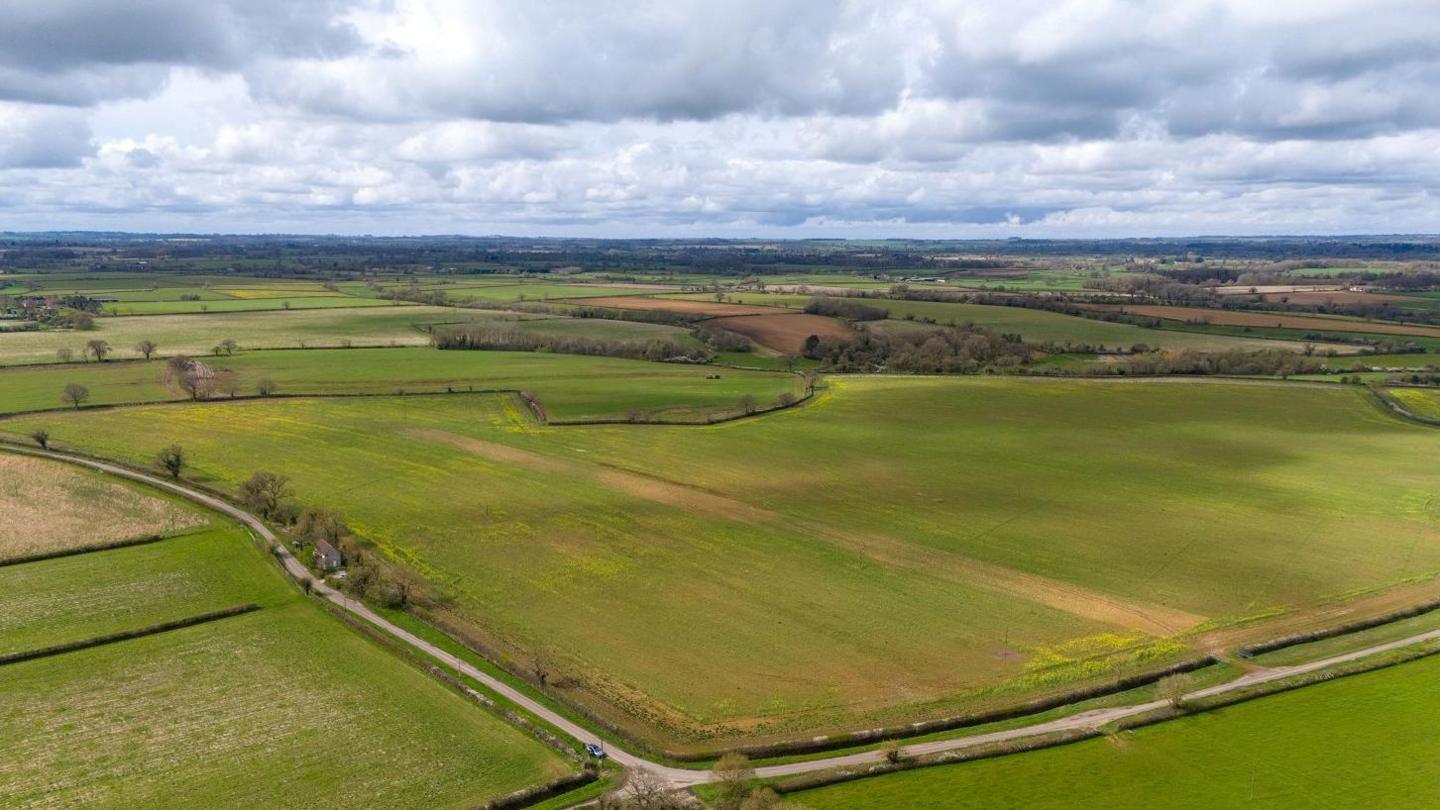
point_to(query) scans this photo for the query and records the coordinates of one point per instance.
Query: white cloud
(945, 118)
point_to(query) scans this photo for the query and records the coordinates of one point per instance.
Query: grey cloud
(84, 51)
(37, 137)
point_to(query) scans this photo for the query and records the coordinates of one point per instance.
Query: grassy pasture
(47, 507)
(902, 543)
(570, 386)
(241, 712)
(88, 595)
(492, 293)
(197, 334)
(253, 711)
(1362, 741)
(281, 302)
(1038, 325)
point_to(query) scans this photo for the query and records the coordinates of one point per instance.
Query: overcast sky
(976, 118)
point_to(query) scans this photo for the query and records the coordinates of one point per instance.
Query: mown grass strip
(152, 630)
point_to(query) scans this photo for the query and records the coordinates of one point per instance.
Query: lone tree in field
(264, 491)
(1172, 689)
(146, 347)
(64, 355)
(42, 438)
(191, 376)
(172, 460)
(75, 394)
(228, 346)
(98, 349)
(265, 387)
(748, 404)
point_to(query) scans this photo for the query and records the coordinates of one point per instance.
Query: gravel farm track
(686, 777)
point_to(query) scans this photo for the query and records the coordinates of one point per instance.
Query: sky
(742, 118)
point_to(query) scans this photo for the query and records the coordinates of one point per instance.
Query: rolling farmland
(1043, 534)
(230, 711)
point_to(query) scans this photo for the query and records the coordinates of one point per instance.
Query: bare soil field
(46, 506)
(1265, 319)
(785, 333)
(716, 308)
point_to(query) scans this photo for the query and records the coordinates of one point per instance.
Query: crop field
(197, 334)
(1042, 533)
(1362, 741)
(47, 507)
(1419, 401)
(569, 386)
(1039, 325)
(238, 712)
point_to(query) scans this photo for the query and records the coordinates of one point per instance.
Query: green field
(1363, 741)
(569, 386)
(88, 595)
(165, 307)
(823, 566)
(495, 294)
(269, 708)
(283, 705)
(197, 334)
(1036, 325)
(1419, 401)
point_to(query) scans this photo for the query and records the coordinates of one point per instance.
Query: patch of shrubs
(849, 310)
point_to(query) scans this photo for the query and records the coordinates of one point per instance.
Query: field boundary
(1395, 407)
(1139, 717)
(833, 742)
(111, 638)
(87, 549)
(1335, 631)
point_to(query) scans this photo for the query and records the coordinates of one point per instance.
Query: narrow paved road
(685, 777)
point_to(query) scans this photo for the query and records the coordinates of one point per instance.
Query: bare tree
(228, 345)
(642, 790)
(225, 382)
(64, 355)
(264, 492)
(1172, 689)
(41, 437)
(265, 387)
(748, 404)
(172, 460)
(98, 349)
(191, 376)
(75, 394)
(146, 347)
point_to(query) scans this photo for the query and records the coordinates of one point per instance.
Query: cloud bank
(946, 119)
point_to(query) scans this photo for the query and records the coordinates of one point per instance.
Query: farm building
(327, 557)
